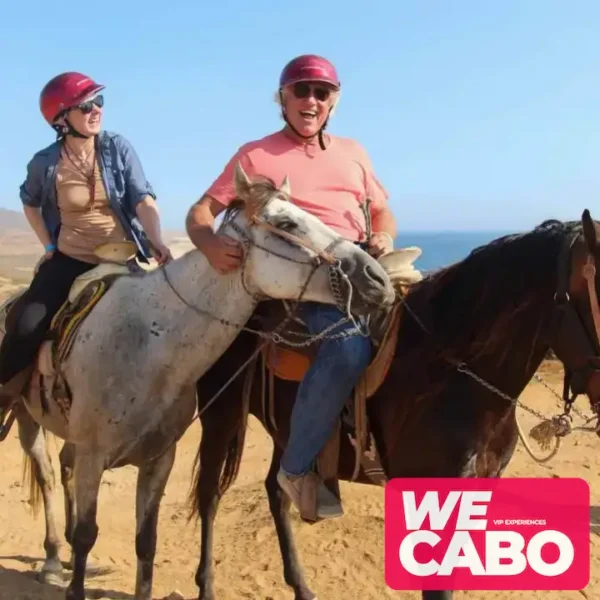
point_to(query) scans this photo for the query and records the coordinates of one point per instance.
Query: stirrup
(310, 496)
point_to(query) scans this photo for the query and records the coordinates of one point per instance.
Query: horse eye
(286, 225)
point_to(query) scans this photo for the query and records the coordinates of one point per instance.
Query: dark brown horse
(493, 315)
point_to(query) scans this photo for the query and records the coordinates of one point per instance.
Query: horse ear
(285, 186)
(589, 231)
(241, 181)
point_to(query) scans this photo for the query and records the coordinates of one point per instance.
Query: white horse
(128, 381)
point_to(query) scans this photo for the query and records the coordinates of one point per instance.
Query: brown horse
(471, 336)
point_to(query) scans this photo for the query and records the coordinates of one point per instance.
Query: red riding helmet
(309, 67)
(65, 91)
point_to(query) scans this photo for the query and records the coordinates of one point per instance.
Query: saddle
(85, 292)
(290, 362)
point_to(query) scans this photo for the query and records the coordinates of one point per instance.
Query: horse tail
(233, 458)
(29, 480)
(235, 449)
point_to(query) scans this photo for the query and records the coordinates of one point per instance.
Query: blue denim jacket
(123, 178)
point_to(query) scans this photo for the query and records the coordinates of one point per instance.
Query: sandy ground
(343, 559)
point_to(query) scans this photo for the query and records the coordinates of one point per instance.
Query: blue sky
(477, 115)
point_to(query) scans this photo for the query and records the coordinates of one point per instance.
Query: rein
(336, 277)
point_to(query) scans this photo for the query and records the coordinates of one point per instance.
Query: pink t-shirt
(330, 185)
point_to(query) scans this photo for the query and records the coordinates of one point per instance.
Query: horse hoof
(52, 578)
(52, 573)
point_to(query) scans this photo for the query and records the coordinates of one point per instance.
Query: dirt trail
(343, 559)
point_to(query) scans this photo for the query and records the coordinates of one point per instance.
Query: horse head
(576, 341)
(290, 254)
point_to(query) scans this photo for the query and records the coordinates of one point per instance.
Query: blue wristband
(49, 247)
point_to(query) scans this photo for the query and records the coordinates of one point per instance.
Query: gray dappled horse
(129, 378)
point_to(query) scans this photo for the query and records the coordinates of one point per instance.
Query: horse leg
(151, 483)
(67, 464)
(212, 455)
(33, 442)
(279, 503)
(88, 471)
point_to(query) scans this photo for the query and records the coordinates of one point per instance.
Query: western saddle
(118, 259)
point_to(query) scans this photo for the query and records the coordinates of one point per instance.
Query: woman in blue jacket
(86, 189)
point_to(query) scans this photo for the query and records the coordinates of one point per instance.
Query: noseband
(572, 342)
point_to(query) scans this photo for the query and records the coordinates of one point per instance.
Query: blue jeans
(326, 387)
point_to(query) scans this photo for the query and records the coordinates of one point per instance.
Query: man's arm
(383, 229)
(200, 220)
(382, 220)
(223, 253)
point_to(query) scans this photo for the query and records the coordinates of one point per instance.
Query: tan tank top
(84, 224)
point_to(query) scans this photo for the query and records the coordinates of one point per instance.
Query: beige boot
(310, 496)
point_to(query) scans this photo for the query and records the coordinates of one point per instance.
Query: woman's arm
(36, 222)
(34, 217)
(141, 199)
(31, 194)
(147, 213)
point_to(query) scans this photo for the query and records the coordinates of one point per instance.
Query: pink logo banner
(487, 534)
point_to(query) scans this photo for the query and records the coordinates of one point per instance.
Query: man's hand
(380, 243)
(223, 253)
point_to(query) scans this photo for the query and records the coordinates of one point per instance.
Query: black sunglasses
(303, 90)
(87, 106)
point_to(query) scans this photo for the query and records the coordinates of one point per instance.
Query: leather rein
(325, 257)
(573, 344)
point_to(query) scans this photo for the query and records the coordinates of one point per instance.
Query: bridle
(572, 341)
(338, 279)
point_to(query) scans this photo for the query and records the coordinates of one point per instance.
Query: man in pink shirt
(330, 177)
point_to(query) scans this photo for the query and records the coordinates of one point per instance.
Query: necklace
(81, 165)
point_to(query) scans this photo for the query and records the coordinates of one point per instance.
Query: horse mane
(501, 289)
(260, 191)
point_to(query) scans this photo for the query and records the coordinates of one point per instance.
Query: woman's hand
(161, 253)
(46, 256)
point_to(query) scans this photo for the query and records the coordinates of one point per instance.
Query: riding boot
(310, 496)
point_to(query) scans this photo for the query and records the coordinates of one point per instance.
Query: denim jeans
(327, 385)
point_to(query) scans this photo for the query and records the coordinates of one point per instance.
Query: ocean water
(441, 249)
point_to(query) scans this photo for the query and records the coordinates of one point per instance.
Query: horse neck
(504, 353)
(513, 364)
(203, 298)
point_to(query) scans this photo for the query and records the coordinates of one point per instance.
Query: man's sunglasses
(87, 106)
(304, 90)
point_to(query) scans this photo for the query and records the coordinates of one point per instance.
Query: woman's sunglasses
(88, 106)
(304, 90)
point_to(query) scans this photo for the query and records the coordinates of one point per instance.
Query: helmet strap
(67, 129)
